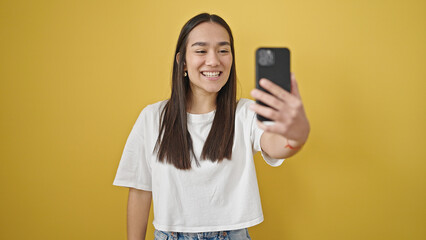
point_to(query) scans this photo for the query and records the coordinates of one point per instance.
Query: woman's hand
(287, 111)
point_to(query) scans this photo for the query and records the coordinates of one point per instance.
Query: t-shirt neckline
(203, 117)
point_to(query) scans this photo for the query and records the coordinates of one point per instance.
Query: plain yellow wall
(76, 74)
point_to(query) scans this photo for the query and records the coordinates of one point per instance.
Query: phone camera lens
(266, 57)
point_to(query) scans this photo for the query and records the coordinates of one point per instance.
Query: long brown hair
(174, 142)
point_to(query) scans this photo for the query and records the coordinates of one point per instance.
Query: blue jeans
(240, 234)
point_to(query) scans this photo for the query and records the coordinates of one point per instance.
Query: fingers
(267, 99)
(279, 96)
(269, 112)
(276, 127)
(274, 89)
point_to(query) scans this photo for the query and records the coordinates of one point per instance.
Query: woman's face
(208, 58)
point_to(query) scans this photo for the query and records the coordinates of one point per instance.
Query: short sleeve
(134, 169)
(256, 133)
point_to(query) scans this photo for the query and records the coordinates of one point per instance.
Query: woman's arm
(291, 127)
(138, 206)
(277, 146)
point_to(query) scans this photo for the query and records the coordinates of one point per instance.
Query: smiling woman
(193, 153)
(205, 47)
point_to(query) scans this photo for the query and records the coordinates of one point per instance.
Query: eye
(200, 51)
(224, 51)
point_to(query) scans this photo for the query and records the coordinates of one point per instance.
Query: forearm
(138, 206)
(275, 145)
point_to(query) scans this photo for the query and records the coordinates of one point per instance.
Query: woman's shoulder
(153, 109)
(156, 106)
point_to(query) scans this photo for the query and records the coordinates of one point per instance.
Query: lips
(211, 74)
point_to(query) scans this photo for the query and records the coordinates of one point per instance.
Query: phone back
(273, 64)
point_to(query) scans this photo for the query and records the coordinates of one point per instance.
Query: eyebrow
(205, 44)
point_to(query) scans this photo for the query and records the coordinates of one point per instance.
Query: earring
(185, 74)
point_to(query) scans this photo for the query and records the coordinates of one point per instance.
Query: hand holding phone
(282, 113)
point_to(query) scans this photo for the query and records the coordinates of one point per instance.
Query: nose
(212, 59)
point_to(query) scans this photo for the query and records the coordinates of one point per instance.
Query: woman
(194, 151)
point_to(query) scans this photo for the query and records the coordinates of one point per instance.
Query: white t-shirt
(213, 197)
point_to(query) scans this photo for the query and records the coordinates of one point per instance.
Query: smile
(211, 74)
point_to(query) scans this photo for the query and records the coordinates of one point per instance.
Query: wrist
(293, 144)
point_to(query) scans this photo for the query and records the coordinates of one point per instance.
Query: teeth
(211, 74)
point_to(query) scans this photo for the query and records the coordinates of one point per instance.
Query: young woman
(193, 153)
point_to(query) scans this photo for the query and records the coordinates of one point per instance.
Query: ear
(178, 57)
(178, 60)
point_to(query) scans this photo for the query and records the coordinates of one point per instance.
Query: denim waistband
(200, 234)
(237, 234)
(241, 234)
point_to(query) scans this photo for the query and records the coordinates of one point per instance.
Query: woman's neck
(201, 103)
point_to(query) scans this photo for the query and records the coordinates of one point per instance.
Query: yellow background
(76, 74)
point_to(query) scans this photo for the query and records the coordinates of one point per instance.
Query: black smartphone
(272, 64)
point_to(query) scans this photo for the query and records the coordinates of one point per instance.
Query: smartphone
(272, 64)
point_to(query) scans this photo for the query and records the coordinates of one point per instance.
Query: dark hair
(174, 142)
